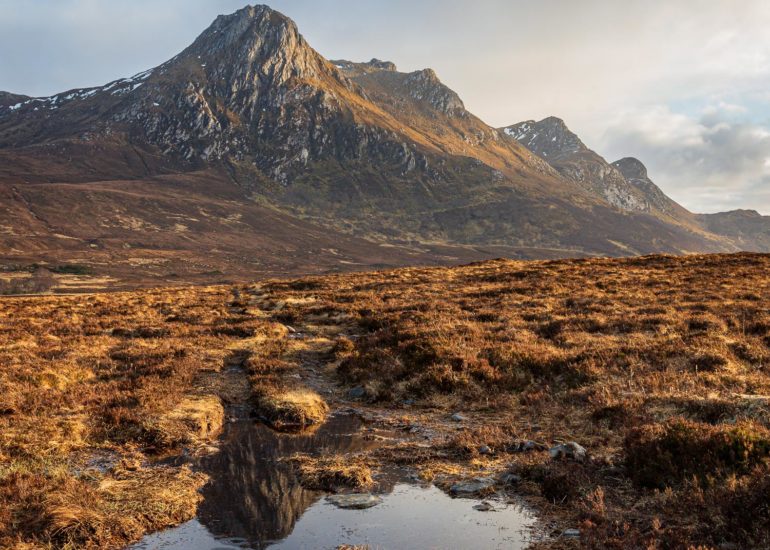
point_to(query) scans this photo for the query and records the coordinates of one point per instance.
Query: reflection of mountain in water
(252, 494)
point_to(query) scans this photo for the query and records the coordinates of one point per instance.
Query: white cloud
(709, 164)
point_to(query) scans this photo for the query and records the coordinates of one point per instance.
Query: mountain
(553, 141)
(250, 153)
(626, 185)
(748, 228)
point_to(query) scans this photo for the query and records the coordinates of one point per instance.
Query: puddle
(409, 517)
(255, 501)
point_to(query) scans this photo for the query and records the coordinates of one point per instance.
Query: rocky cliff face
(635, 173)
(551, 140)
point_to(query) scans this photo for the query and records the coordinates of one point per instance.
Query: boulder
(569, 451)
(354, 501)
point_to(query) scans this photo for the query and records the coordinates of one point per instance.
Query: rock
(357, 393)
(408, 402)
(571, 533)
(484, 507)
(528, 445)
(355, 501)
(571, 451)
(457, 417)
(469, 488)
(510, 478)
(485, 450)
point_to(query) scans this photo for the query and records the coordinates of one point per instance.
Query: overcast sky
(682, 85)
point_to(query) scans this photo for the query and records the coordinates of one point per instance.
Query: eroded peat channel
(337, 475)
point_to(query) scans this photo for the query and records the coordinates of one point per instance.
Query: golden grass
(658, 366)
(197, 419)
(330, 473)
(93, 390)
(290, 409)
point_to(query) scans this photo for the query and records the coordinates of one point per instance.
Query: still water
(255, 501)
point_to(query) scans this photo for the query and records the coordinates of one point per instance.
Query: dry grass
(659, 367)
(330, 473)
(290, 409)
(618, 355)
(93, 391)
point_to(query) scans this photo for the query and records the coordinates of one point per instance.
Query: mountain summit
(252, 123)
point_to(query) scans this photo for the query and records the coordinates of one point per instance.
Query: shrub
(663, 455)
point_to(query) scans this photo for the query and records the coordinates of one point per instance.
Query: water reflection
(254, 500)
(254, 495)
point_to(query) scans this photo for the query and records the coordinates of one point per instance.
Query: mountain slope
(626, 185)
(348, 148)
(551, 140)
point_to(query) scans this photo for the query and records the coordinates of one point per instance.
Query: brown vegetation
(330, 473)
(658, 366)
(94, 391)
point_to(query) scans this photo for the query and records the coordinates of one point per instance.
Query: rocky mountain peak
(549, 138)
(381, 65)
(353, 69)
(425, 85)
(631, 168)
(8, 99)
(253, 43)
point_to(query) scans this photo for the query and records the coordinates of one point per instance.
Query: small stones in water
(571, 533)
(484, 507)
(469, 488)
(457, 417)
(571, 451)
(355, 501)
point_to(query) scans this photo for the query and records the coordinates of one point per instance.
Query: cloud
(715, 162)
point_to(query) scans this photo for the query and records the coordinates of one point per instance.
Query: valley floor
(627, 401)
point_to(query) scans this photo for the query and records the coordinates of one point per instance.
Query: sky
(683, 85)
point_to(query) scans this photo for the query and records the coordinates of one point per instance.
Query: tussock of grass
(124, 505)
(330, 473)
(196, 419)
(290, 409)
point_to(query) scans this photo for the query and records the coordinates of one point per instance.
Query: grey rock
(357, 393)
(510, 478)
(470, 488)
(570, 451)
(484, 507)
(485, 450)
(528, 445)
(571, 533)
(355, 501)
(457, 417)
